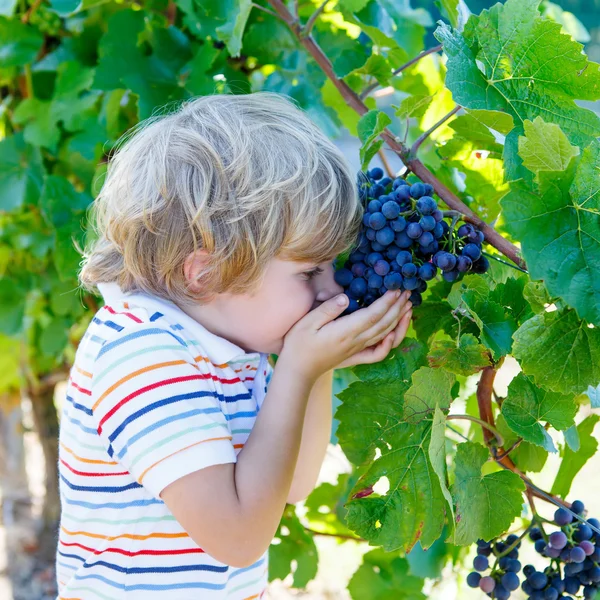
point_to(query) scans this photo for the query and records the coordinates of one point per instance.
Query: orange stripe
(88, 460)
(126, 305)
(129, 536)
(83, 372)
(135, 373)
(182, 449)
(238, 445)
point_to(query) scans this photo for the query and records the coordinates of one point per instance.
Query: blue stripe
(173, 586)
(239, 415)
(110, 324)
(85, 409)
(178, 569)
(236, 398)
(110, 489)
(71, 556)
(158, 425)
(134, 335)
(116, 505)
(81, 425)
(166, 401)
(155, 316)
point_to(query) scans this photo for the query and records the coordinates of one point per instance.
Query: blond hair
(246, 177)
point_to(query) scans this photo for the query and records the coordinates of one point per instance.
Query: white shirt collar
(218, 349)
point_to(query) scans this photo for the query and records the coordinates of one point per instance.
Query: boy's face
(259, 322)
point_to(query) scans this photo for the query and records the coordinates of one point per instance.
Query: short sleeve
(155, 407)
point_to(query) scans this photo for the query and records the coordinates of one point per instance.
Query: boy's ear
(192, 267)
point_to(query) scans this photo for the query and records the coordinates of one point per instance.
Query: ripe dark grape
(577, 507)
(417, 190)
(562, 517)
(473, 579)
(426, 205)
(510, 581)
(376, 173)
(558, 540)
(480, 563)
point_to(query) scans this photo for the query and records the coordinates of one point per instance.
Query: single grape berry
(487, 584)
(550, 593)
(583, 532)
(377, 221)
(385, 236)
(480, 563)
(390, 209)
(562, 517)
(558, 540)
(426, 205)
(427, 271)
(343, 277)
(473, 251)
(376, 173)
(417, 190)
(398, 224)
(427, 222)
(510, 581)
(358, 288)
(414, 231)
(538, 580)
(587, 547)
(577, 507)
(473, 579)
(374, 206)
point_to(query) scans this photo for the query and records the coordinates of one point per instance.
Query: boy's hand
(376, 353)
(320, 341)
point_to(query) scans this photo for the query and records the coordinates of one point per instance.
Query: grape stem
(493, 430)
(426, 134)
(412, 163)
(399, 70)
(504, 262)
(311, 21)
(341, 536)
(268, 11)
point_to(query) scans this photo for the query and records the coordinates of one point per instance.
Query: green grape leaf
(437, 456)
(232, 30)
(414, 106)
(527, 405)
(429, 388)
(19, 43)
(21, 173)
(537, 296)
(414, 507)
(560, 352)
(383, 576)
(544, 147)
(431, 317)
(573, 462)
(571, 436)
(496, 326)
(594, 396)
(123, 62)
(499, 121)
(12, 306)
(512, 60)
(369, 127)
(293, 543)
(486, 505)
(465, 358)
(527, 456)
(510, 295)
(373, 406)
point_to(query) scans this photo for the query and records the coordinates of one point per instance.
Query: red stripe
(82, 390)
(114, 312)
(153, 386)
(86, 474)
(128, 553)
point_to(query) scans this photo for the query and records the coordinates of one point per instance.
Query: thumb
(330, 310)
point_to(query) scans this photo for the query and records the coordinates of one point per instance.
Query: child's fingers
(402, 328)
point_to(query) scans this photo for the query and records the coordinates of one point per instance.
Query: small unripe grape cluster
(404, 241)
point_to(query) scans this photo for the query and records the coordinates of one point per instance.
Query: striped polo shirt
(152, 396)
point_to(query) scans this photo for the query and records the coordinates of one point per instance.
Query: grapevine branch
(485, 388)
(412, 163)
(424, 136)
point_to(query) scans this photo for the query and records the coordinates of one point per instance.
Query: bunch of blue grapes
(575, 550)
(496, 567)
(405, 242)
(574, 570)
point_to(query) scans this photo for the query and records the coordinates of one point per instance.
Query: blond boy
(215, 232)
